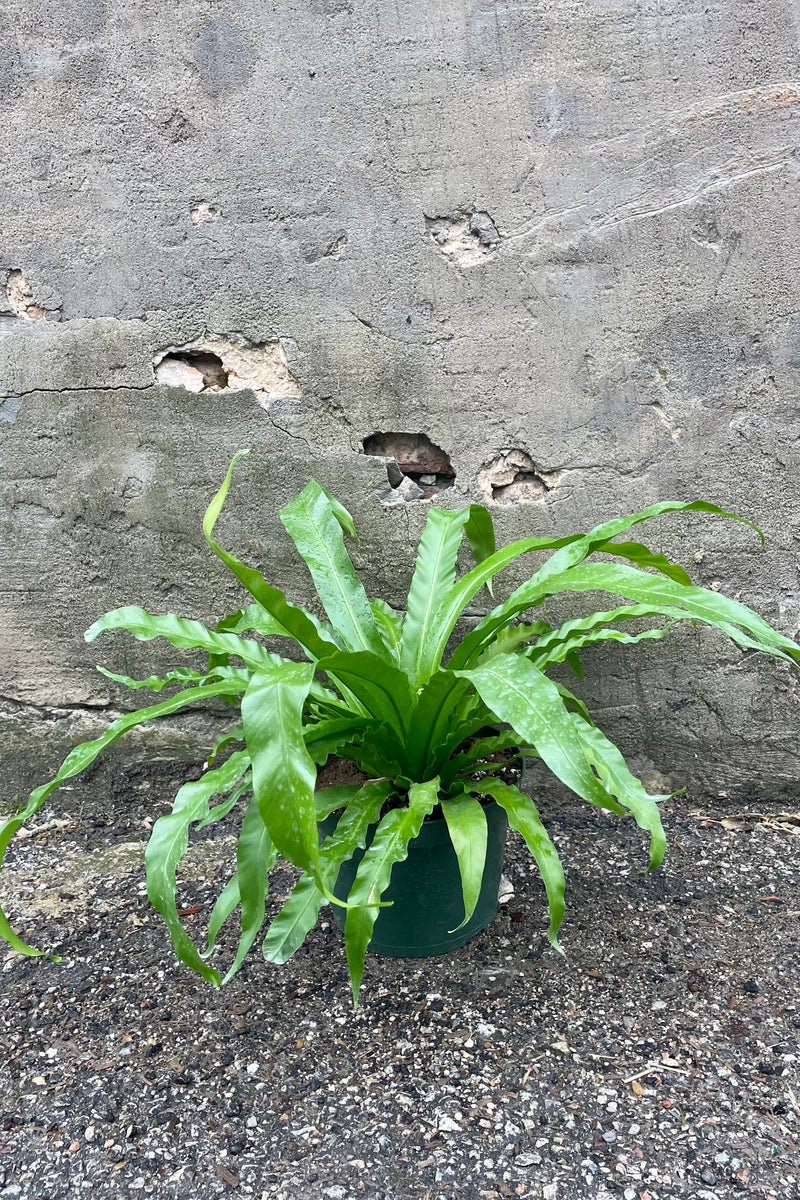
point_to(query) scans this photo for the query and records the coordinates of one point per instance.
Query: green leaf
(432, 719)
(511, 637)
(700, 604)
(380, 755)
(218, 811)
(283, 771)
(312, 522)
(340, 512)
(480, 535)
(521, 696)
(234, 734)
(434, 575)
(565, 651)
(524, 818)
(551, 639)
(184, 634)
(459, 596)
(607, 760)
(255, 857)
(470, 760)
(327, 737)
(167, 845)
(389, 624)
(573, 702)
(644, 557)
(298, 624)
(156, 683)
(224, 906)
(294, 922)
(389, 846)
(466, 824)
(299, 914)
(254, 617)
(330, 798)
(79, 758)
(381, 688)
(572, 552)
(221, 658)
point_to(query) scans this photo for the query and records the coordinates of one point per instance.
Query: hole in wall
(468, 238)
(416, 468)
(212, 363)
(18, 302)
(512, 478)
(195, 370)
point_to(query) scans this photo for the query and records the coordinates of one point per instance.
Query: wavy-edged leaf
(466, 824)
(79, 758)
(327, 801)
(381, 755)
(283, 771)
(523, 697)
(381, 688)
(255, 857)
(167, 845)
(327, 737)
(459, 596)
(511, 637)
(480, 535)
(300, 912)
(330, 798)
(434, 575)
(610, 765)
(389, 846)
(524, 818)
(701, 604)
(389, 623)
(643, 556)
(471, 759)
(596, 621)
(184, 676)
(255, 618)
(296, 621)
(217, 811)
(573, 551)
(312, 521)
(183, 634)
(566, 651)
(596, 538)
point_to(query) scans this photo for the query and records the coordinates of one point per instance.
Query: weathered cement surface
(565, 229)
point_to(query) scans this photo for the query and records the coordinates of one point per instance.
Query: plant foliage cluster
(377, 688)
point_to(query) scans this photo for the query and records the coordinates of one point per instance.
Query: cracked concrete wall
(564, 230)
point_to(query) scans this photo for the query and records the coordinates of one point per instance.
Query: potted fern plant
(424, 723)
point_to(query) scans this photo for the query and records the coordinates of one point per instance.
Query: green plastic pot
(426, 891)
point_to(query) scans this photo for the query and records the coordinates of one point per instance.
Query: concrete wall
(566, 229)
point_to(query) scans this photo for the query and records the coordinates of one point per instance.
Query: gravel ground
(657, 1059)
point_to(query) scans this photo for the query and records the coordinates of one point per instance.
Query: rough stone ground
(656, 1060)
